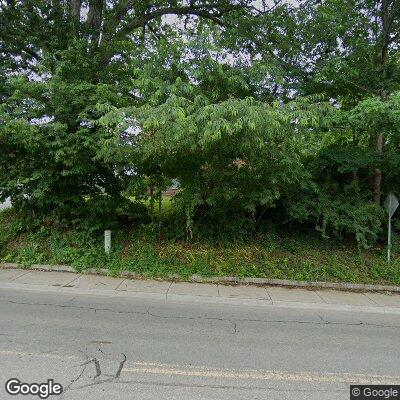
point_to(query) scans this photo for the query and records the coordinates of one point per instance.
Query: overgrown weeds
(157, 250)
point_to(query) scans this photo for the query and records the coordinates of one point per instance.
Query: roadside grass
(166, 207)
(146, 252)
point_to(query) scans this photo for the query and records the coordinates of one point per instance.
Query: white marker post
(391, 205)
(107, 241)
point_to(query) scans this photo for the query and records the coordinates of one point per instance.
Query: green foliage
(284, 254)
(229, 157)
(349, 217)
(266, 115)
(10, 226)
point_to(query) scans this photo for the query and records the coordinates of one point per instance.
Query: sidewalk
(271, 296)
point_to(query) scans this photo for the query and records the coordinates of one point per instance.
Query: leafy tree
(232, 156)
(352, 54)
(67, 57)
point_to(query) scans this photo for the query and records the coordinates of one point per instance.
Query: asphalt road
(120, 348)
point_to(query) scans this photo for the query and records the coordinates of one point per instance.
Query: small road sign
(391, 205)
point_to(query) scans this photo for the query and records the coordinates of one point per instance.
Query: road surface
(101, 347)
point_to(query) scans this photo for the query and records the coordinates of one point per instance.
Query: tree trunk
(377, 180)
(152, 201)
(381, 66)
(95, 19)
(76, 15)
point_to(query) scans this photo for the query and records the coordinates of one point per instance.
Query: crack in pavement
(98, 369)
(98, 373)
(323, 321)
(98, 309)
(109, 379)
(121, 365)
(79, 376)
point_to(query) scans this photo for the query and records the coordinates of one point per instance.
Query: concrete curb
(222, 280)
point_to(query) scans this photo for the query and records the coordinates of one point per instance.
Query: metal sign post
(391, 205)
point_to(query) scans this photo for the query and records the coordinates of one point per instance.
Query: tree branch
(153, 31)
(204, 11)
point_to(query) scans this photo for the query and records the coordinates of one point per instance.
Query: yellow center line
(33, 354)
(273, 375)
(245, 374)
